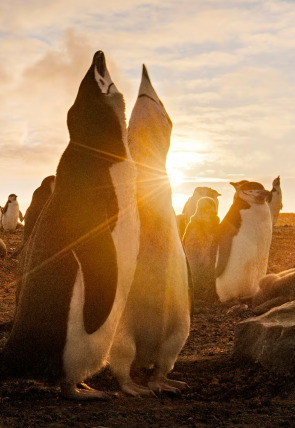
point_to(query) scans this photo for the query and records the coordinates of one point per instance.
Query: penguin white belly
(78, 363)
(155, 323)
(10, 218)
(248, 258)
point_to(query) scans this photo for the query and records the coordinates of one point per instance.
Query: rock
(268, 339)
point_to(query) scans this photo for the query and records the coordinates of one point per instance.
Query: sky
(223, 69)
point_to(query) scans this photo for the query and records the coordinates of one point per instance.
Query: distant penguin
(191, 204)
(155, 323)
(274, 200)
(40, 197)
(81, 257)
(11, 213)
(244, 238)
(3, 250)
(199, 242)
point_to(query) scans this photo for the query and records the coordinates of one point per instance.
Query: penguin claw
(71, 392)
(177, 384)
(135, 390)
(160, 387)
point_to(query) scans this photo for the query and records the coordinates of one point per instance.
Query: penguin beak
(100, 62)
(101, 74)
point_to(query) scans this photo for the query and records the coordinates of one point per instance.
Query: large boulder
(268, 339)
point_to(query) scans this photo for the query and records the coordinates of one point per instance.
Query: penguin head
(48, 183)
(253, 192)
(12, 197)
(206, 211)
(201, 192)
(276, 182)
(97, 117)
(238, 184)
(149, 127)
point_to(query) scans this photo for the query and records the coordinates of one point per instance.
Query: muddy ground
(221, 393)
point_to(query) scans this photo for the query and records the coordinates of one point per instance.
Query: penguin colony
(108, 267)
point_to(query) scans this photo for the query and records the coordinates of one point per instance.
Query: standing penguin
(39, 198)
(274, 200)
(11, 213)
(244, 238)
(199, 242)
(156, 319)
(81, 257)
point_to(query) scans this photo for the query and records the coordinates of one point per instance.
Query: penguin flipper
(97, 258)
(224, 241)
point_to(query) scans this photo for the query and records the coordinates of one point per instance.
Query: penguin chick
(191, 204)
(199, 242)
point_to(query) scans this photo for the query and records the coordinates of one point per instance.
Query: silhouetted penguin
(81, 256)
(199, 242)
(191, 204)
(156, 319)
(11, 213)
(244, 238)
(39, 198)
(274, 200)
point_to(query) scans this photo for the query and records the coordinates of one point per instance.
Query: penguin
(199, 242)
(274, 290)
(11, 213)
(39, 198)
(156, 320)
(81, 257)
(243, 240)
(191, 204)
(3, 250)
(274, 200)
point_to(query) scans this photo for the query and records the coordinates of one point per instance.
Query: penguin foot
(177, 384)
(131, 388)
(159, 387)
(71, 392)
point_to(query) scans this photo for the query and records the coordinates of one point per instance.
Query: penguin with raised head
(191, 204)
(274, 200)
(199, 242)
(155, 323)
(39, 198)
(11, 213)
(81, 258)
(244, 238)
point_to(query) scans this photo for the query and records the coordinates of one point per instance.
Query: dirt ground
(221, 393)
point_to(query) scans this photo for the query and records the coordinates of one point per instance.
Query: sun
(176, 177)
